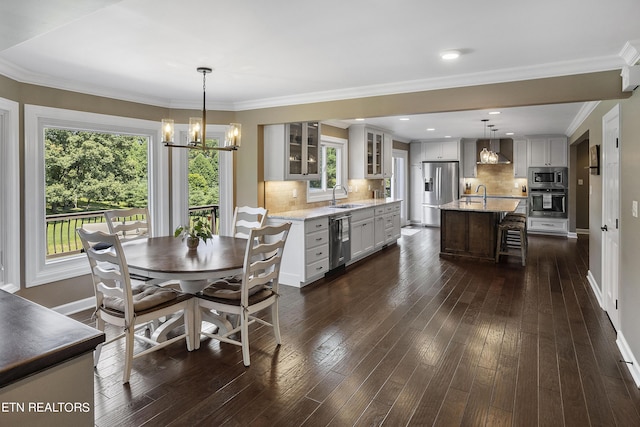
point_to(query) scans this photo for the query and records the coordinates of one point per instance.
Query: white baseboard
(582, 230)
(76, 306)
(595, 288)
(628, 357)
(572, 235)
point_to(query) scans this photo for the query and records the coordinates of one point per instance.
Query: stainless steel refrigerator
(440, 185)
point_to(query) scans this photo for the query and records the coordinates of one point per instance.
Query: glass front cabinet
(291, 151)
(369, 153)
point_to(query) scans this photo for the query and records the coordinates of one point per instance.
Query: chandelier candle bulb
(167, 130)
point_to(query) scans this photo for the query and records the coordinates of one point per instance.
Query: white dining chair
(258, 290)
(130, 308)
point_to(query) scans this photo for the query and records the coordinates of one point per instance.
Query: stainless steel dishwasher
(339, 241)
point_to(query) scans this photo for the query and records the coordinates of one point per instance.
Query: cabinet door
(295, 154)
(520, 158)
(367, 236)
(469, 164)
(431, 151)
(449, 151)
(557, 152)
(312, 145)
(538, 152)
(415, 153)
(387, 156)
(379, 231)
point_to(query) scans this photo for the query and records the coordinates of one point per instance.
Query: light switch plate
(634, 208)
(580, 182)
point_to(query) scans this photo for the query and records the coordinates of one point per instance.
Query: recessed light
(447, 136)
(404, 119)
(431, 129)
(493, 113)
(509, 133)
(448, 55)
(360, 119)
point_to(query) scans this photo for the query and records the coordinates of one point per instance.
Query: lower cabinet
(362, 233)
(306, 253)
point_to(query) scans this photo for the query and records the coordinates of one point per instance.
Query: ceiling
(286, 52)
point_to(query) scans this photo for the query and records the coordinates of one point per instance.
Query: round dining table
(167, 258)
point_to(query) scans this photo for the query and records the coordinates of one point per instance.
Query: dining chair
(129, 224)
(258, 289)
(131, 308)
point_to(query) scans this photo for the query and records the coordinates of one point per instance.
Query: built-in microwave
(551, 177)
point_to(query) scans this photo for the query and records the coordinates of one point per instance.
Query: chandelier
(198, 127)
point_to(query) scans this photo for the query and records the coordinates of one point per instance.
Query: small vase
(192, 243)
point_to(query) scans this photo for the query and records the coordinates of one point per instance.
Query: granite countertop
(305, 214)
(474, 204)
(35, 338)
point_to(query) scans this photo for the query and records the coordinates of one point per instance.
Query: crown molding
(586, 109)
(582, 66)
(630, 52)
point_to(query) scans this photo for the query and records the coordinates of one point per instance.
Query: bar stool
(512, 234)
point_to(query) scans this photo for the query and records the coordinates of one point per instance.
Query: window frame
(315, 195)
(39, 270)
(10, 195)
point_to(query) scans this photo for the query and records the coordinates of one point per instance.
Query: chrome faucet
(484, 197)
(333, 200)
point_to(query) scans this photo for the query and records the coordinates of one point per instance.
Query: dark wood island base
(469, 229)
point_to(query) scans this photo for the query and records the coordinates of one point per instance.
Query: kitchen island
(468, 226)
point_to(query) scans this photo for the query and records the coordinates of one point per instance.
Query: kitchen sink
(347, 206)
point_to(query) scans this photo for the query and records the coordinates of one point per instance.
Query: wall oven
(549, 202)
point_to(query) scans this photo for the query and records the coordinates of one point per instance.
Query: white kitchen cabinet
(469, 159)
(362, 233)
(520, 164)
(387, 156)
(291, 151)
(433, 151)
(306, 253)
(367, 148)
(547, 151)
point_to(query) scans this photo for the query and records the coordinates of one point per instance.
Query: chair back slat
(246, 218)
(129, 224)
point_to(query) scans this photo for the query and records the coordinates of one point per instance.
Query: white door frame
(611, 213)
(400, 183)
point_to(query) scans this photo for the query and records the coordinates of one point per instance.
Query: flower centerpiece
(199, 229)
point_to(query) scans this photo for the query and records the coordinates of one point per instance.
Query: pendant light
(484, 154)
(198, 127)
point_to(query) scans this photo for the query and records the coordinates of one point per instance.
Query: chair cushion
(145, 297)
(232, 297)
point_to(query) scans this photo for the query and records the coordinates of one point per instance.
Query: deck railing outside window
(62, 239)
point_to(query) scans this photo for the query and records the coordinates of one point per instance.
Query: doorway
(611, 213)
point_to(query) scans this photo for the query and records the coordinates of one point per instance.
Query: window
(9, 197)
(215, 168)
(76, 160)
(333, 170)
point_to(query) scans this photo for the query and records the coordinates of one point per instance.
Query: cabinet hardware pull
(319, 268)
(318, 239)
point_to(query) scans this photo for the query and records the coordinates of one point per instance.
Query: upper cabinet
(547, 151)
(291, 151)
(435, 151)
(369, 153)
(520, 161)
(469, 159)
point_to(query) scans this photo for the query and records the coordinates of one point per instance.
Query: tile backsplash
(498, 179)
(282, 196)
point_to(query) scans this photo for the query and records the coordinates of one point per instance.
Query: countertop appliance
(440, 185)
(548, 187)
(339, 241)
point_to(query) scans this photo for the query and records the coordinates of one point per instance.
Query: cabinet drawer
(379, 210)
(548, 225)
(316, 239)
(316, 254)
(388, 221)
(317, 268)
(316, 225)
(361, 214)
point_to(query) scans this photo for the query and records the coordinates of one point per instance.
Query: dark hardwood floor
(404, 338)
